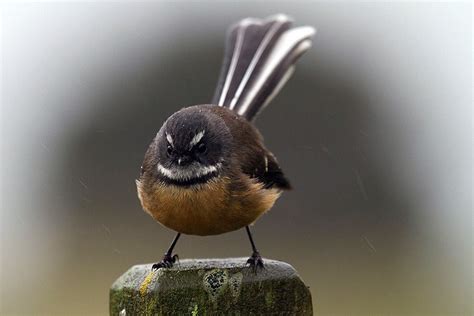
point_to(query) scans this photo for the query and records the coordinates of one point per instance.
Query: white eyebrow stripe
(196, 138)
(169, 139)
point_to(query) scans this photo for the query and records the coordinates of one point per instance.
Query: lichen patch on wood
(146, 283)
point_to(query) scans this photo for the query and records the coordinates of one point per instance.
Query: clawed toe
(255, 262)
(166, 262)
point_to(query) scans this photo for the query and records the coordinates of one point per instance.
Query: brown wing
(272, 175)
(254, 159)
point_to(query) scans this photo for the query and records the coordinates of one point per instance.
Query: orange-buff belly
(207, 209)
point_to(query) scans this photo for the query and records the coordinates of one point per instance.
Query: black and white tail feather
(259, 58)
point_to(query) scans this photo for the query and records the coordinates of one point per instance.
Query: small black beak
(184, 160)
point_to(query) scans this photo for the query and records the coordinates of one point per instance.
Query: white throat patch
(194, 171)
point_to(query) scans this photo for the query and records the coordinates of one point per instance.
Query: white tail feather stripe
(235, 58)
(261, 48)
(278, 87)
(285, 44)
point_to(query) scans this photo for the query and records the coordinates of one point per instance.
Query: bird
(207, 170)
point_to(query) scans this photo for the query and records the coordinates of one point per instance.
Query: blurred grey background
(377, 143)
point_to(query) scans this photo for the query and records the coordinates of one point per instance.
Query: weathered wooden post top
(211, 287)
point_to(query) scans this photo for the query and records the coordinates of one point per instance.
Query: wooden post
(211, 287)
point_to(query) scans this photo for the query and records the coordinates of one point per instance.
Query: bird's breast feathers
(215, 207)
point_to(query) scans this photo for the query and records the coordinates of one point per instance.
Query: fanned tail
(259, 58)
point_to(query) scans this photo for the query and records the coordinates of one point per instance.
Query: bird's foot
(255, 262)
(167, 262)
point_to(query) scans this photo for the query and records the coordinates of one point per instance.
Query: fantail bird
(207, 171)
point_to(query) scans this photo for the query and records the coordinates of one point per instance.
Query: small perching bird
(207, 171)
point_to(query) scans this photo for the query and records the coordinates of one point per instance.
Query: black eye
(201, 148)
(169, 150)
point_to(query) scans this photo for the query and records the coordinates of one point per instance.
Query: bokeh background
(374, 130)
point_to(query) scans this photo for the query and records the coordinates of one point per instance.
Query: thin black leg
(175, 240)
(255, 261)
(168, 259)
(251, 239)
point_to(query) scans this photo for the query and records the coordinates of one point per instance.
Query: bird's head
(190, 148)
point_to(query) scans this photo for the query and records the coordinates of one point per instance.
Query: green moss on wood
(209, 287)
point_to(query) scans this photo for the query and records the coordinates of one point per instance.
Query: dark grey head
(191, 147)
